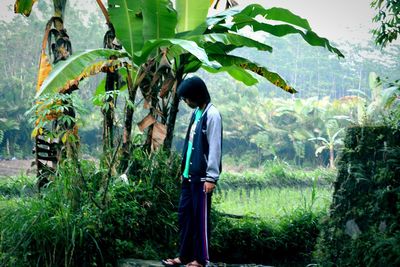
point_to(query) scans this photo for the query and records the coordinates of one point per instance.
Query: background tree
(388, 12)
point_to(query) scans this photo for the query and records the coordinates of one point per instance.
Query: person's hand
(209, 187)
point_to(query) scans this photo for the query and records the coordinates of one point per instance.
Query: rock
(139, 263)
(352, 229)
(153, 263)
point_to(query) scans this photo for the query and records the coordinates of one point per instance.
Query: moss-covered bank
(363, 228)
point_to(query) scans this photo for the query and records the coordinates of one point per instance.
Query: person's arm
(214, 137)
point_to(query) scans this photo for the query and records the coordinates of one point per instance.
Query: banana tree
(113, 82)
(165, 44)
(59, 47)
(331, 142)
(284, 126)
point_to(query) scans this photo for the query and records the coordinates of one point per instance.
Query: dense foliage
(128, 219)
(135, 217)
(363, 226)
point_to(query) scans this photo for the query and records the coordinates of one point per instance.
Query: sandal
(172, 262)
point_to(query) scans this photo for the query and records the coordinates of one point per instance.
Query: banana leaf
(24, 7)
(127, 20)
(159, 19)
(75, 68)
(235, 72)
(191, 13)
(210, 21)
(275, 13)
(272, 77)
(177, 47)
(284, 29)
(229, 39)
(247, 17)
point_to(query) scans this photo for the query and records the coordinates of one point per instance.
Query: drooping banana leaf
(251, 11)
(284, 29)
(44, 70)
(191, 13)
(126, 17)
(24, 7)
(232, 39)
(236, 72)
(247, 17)
(192, 65)
(275, 13)
(177, 47)
(75, 68)
(159, 19)
(245, 64)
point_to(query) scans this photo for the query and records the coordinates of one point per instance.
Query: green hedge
(289, 241)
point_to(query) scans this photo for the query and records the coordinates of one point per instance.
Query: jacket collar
(205, 109)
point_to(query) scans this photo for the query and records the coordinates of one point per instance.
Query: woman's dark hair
(194, 89)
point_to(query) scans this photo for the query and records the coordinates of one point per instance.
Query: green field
(271, 202)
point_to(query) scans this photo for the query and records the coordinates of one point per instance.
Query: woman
(201, 168)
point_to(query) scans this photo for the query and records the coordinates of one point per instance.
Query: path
(16, 167)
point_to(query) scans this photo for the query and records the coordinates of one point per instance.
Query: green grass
(276, 173)
(272, 203)
(275, 190)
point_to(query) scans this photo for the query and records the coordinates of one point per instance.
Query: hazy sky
(335, 19)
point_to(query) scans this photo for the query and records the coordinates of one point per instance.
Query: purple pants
(194, 221)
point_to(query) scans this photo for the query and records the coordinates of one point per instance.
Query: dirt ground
(16, 167)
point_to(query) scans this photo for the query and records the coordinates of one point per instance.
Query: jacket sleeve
(214, 138)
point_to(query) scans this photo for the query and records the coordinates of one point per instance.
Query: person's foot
(172, 262)
(194, 264)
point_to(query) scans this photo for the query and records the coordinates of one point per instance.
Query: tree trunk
(108, 126)
(112, 84)
(332, 157)
(132, 89)
(153, 110)
(173, 112)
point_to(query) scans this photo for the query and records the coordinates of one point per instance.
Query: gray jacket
(205, 161)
